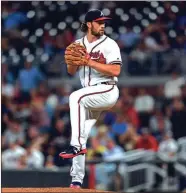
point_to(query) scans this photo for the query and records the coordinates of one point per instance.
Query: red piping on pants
(79, 120)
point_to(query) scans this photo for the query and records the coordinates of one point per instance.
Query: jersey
(104, 50)
(10, 157)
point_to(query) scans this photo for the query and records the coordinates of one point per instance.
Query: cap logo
(102, 14)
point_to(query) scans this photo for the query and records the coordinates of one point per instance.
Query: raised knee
(77, 97)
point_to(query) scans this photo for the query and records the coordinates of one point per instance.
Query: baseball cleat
(76, 185)
(72, 152)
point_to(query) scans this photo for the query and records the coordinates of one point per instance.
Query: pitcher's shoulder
(111, 44)
(111, 41)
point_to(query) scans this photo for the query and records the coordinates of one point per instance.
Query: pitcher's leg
(80, 124)
(92, 117)
(78, 169)
(77, 118)
(93, 98)
(78, 162)
(90, 120)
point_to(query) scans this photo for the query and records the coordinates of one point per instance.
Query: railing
(159, 69)
(138, 169)
(156, 63)
(153, 64)
(141, 168)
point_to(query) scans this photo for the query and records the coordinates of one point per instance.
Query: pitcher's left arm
(107, 69)
(113, 60)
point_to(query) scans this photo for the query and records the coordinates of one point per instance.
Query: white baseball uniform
(87, 103)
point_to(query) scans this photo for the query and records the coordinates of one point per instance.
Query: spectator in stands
(144, 102)
(111, 115)
(22, 161)
(33, 157)
(144, 105)
(39, 116)
(55, 47)
(177, 118)
(168, 17)
(50, 163)
(120, 127)
(147, 141)
(112, 153)
(11, 156)
(182, 148)
(180, 42)
(65, 39)
(125, 94)
(159, 98)
(59, 135)
(155, 38)
(117, 183)
(173, 86)
(157, 43)
(5, 45)
(100, 134)
(7, 89)
(51, 103)
(32, 133)
(129, 111)
(5, 113)
(182, 22)
(183, 94)
(181, 15)
(22, 110)
(41, 92)
(29, 78)
(14, 18)
(62, 109)
(140, 60)
(168, 148)
(7, 74)
(123, 132)
(49, 150)
(14, 133)
(128, 40)
(96, 149)
(159, 124)
(99, 139)
(167, 152)
(64, 93)
(58, 139)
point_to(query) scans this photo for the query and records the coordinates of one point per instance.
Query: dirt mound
(64, 190)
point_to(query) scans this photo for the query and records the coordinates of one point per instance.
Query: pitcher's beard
(102, 33)
(97, 34)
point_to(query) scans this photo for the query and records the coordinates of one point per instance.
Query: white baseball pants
(86, 105)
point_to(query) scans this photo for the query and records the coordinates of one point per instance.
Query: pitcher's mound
(43, 190)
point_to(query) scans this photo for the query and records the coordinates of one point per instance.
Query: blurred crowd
(36, 123)
(35, 117)
(151, 35)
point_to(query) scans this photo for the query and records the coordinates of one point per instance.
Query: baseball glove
(76, 55)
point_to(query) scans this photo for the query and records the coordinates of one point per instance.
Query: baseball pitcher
(98, 60)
